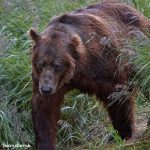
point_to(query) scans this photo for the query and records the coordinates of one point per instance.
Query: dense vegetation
(84, 123)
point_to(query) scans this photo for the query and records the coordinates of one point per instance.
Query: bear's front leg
(121, 112)
(45, 115)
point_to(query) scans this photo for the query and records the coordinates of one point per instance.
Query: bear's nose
(46, 90)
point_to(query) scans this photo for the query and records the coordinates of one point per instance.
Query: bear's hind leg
(121, 112)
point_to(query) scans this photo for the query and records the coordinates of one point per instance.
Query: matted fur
(81, 50)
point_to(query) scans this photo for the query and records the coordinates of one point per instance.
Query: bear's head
(53, 59)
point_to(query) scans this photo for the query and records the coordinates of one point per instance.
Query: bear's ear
(74, 47)
(34, 35)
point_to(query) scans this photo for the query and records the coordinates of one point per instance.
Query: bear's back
(105, 19)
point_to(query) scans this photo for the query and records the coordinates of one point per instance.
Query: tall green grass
(142, 69)
(83, 120)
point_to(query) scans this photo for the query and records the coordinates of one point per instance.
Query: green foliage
(142, 69)
(143, 6)
(82, 116)
(15, 75)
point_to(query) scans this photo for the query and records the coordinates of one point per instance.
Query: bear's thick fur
(86, 50)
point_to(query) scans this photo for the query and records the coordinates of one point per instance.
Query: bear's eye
(57, 66)
(41, 64)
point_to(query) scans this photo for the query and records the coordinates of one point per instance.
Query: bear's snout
(46, 90)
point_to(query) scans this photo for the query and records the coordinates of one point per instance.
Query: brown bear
(86, 49)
